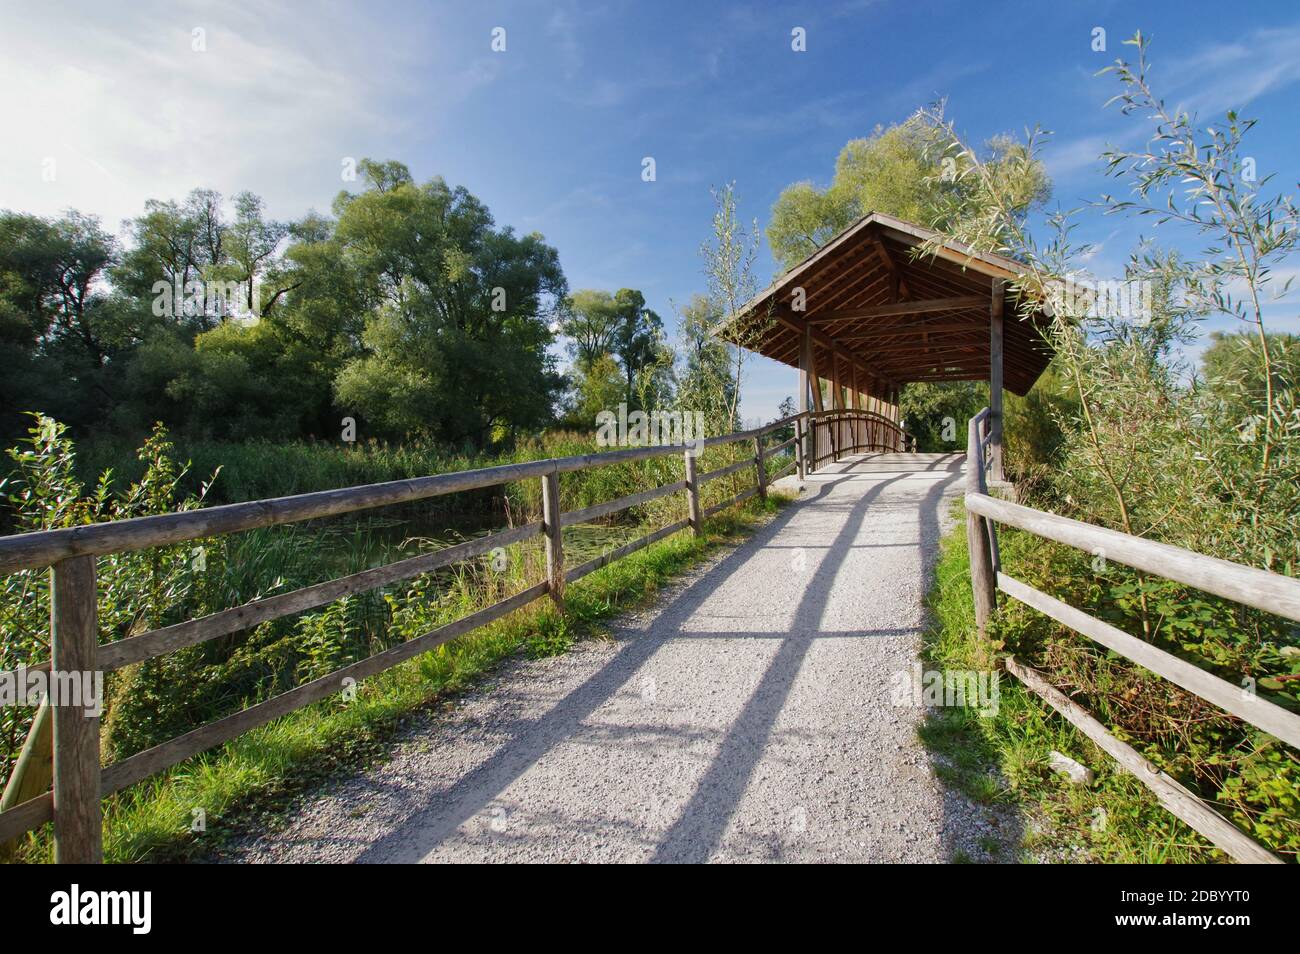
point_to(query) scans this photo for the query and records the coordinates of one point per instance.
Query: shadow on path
(698, 829)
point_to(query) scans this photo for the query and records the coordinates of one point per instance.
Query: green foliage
(936, 413)
(705, 383)
(137, 591)
(599, 387)
(1117, 436)
(411, 312)
(899, 171)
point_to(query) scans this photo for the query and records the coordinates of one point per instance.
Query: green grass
(1004, 758)
(252, 780)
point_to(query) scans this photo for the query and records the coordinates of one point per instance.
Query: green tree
(590, 320)
(902, 170)
(637, 339)
(705, 382)
(456, 331)
(729, 255)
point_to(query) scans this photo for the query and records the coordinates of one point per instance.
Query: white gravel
(747, 718)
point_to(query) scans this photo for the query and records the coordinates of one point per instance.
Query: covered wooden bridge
(868, 313)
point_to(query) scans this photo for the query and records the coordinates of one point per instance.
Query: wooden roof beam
(903, 308)
(797, 323)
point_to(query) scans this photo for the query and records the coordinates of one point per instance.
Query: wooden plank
(74, 626)
(49, 546)
(1192, 810)
(777, 448)
(806, 451)
(628, 455)
(143, 764)
(724, 471)
(978, 531)
(907, 332)
(596, 511)
(1258, 712)
(800, 451)
(591, 566)
(553, 530)
(30, 778)
(1261, 589)
(137, 648)
(787, 469)
(899, 308)
(995, 382)
(739, 498)
(34, 770)
(25, 816)
(760, 468)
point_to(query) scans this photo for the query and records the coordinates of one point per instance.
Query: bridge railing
(838, 432)
(59, 777)
(1250, 586)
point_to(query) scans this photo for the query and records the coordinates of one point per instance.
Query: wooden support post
(761, 467)
(33, 771)
(982, 578)
(74, 639)
(995, 382)
(693, 496)
(808, 367)
(855, 400)
(837, 403)
(799, 438)
(552, 529)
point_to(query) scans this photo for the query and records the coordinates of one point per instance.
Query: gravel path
(746, 718)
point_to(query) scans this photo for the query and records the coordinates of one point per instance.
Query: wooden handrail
(45, 547)
(828, 419)
(1177, 799)
(1261, 589)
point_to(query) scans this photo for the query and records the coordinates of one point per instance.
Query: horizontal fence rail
(79, 782)
(1247, 585)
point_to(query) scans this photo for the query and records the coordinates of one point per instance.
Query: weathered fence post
(761, 467)
(800, 464)
(983, 583)
(554, 537)
(693, 495)
(74, 639)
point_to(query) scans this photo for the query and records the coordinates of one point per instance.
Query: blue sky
(551, 133)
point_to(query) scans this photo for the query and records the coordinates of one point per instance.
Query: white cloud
(1066, 159)
(1233, 74)
(129, 110)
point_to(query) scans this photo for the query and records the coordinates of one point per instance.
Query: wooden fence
(1261, 589)
(63, 744)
